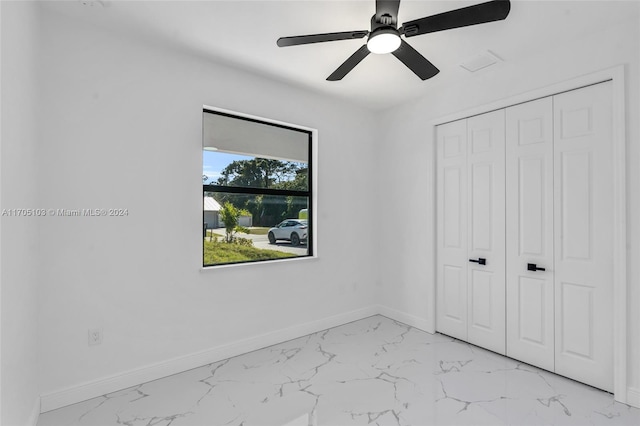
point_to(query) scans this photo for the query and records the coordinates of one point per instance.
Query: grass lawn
(258, 230)
(254, 231)
(218, 253)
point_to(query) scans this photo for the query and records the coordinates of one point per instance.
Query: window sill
(263, 262)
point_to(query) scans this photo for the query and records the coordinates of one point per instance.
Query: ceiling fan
(384, 36)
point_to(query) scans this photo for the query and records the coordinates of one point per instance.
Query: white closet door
(583, 235)
(486, 231)
(529, 171)
(452, 229)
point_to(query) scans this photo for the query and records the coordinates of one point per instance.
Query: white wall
(121, 128)
(18, 242)
(407, 280)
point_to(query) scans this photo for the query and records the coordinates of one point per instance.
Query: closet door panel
(451, 280)
(583, 238)
(485, 230)
(529, 239)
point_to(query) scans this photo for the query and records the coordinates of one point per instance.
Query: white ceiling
(244, 33)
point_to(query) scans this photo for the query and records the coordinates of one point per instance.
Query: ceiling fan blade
(349, 64)
(320, 38)
(387, 7)
(491, 11)
(415, 61)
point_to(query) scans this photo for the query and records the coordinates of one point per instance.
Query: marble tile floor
(375, 371)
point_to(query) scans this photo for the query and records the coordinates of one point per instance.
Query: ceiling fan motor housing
(385, 33)
(385, 21)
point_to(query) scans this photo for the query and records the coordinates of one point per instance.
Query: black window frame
(269, 191)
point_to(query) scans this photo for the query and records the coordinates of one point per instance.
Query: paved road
(285, 246)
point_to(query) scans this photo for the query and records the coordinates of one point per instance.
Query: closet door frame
(617, 76)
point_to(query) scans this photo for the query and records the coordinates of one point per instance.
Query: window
(257, 181)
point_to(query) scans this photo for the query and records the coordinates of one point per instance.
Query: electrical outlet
(95, 336)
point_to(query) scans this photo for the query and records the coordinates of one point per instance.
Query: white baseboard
(403, 317)
(35, 413)
(82, 392)
(633, 397)
(95, 388)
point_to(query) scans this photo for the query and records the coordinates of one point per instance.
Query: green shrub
(247, 242)
(230, 215)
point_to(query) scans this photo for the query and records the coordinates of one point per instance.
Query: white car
(294, 230)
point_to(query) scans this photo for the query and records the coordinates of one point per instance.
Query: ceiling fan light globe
(385, 41)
